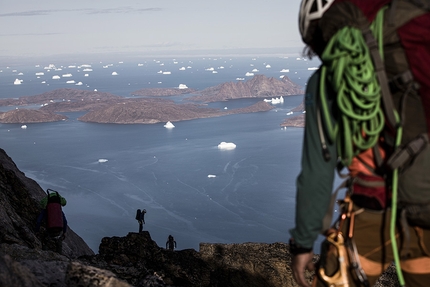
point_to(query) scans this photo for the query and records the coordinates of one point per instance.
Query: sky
(31, 28)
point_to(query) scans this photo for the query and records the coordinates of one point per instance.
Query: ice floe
(275, 100)
(67, 75)
(24, 127)
(114, 74)
(167, 73)
(182, 86)
(211, 175)
(17, 82)
(55, 77)
(226, 145)
(103, 160)
(285, 70)
(169, 125)
(312, 68)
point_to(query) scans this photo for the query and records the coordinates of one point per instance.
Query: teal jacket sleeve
(315, 181)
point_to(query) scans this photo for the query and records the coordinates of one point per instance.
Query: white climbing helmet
(311, 10)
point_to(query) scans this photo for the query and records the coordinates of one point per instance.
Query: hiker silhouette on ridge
(140, 217)
(171, 243)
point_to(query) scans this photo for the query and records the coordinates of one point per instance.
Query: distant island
(149, 108)
(296, 121)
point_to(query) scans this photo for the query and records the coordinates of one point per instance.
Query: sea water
(190, 188)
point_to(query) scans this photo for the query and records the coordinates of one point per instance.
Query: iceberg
(275, 100)
(50, 67)
(56, 77)
(87, 70)
(86, 75)
(114, 74)
(248, 74)
(240, 79)
(20, 74)
(140, 65)
(255, 70)
(40, 73)
(214, 72)
(103, 160)
(312, 68)
(169, 125)
(289, 113)
(210, 69)
(268, 66)
(182, 69)
(211, 175)
(285, 70)
(182, 86)
(24, 127)
(17, 82)
(67, 75)
(79, 84)
(167, 73)
(70, 82)
(226, 146)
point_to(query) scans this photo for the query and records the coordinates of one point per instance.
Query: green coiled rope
(348, 65)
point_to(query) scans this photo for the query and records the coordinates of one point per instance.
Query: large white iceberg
(17, 82)
(114, 74)
(279, 100)
(248, 74)
(285, 70)
(226, 146)
(101, 160)
(70, 82)
(182, 86)
(169, 125)
(56, 77)
(167, 73)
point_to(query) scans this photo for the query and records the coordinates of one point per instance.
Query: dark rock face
(125, 261)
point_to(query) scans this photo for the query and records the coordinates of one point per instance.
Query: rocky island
(108, 108)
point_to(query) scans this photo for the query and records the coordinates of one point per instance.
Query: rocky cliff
(132, 260)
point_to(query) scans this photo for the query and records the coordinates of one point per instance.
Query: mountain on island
(149, 108)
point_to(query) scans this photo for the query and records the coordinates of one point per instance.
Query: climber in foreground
(53, 220)
(367, 115)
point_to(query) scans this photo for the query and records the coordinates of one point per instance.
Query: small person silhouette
(140, 217)
(171, 243)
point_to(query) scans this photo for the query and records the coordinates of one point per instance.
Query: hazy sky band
(42, 28)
